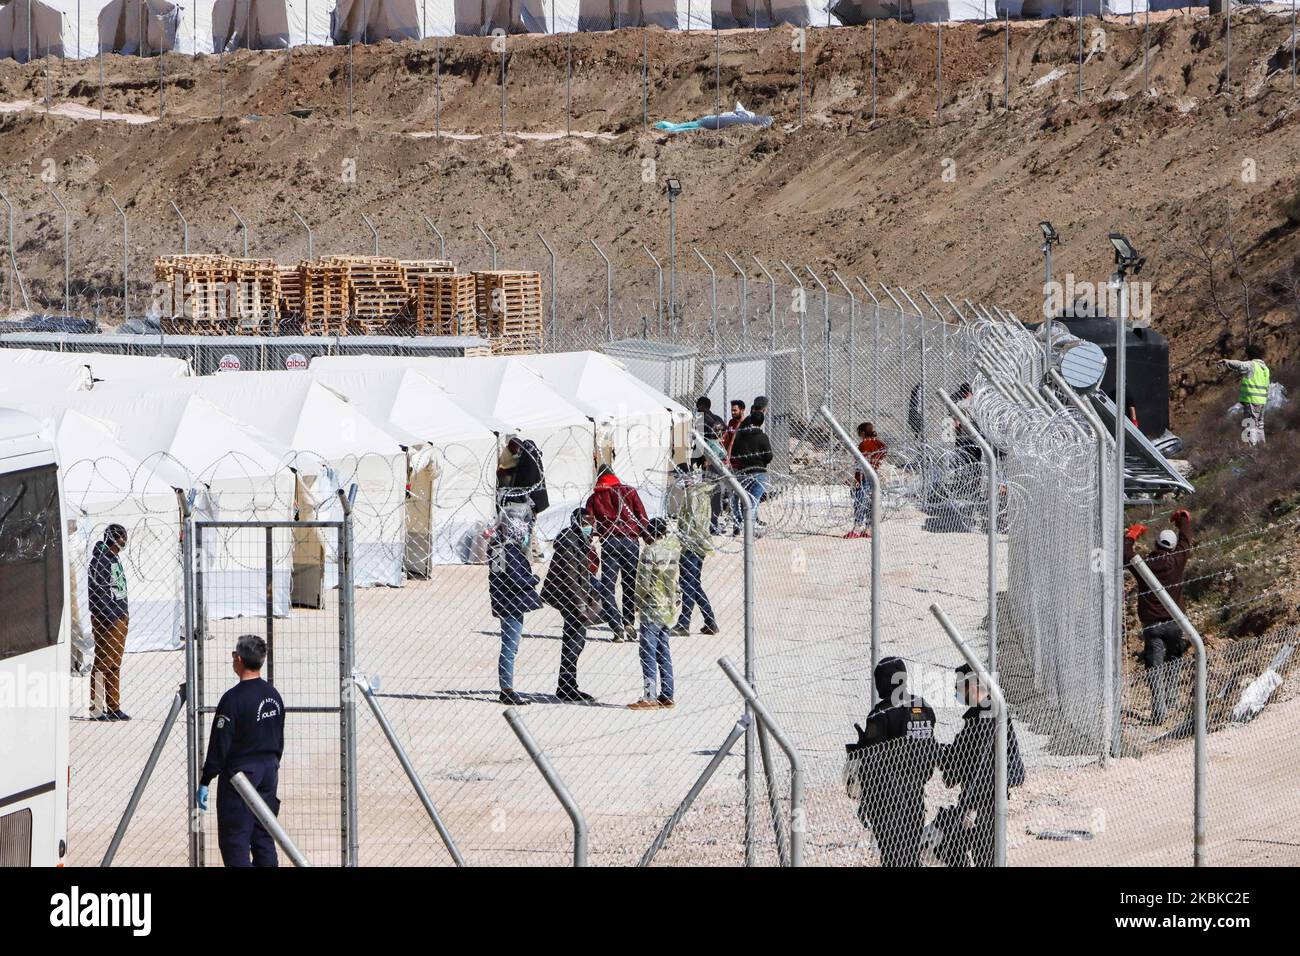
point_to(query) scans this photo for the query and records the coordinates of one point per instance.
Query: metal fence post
(989, 682)
(551, 252)
(659, 288)
(747, 508)
(991, 458)
(347, 702)
(827, 374)
(67, 251)
(869, 474)
(853, 337)
(126, 261)
(266, 818)
(363, 684)
(609, 291)
(491, 245)
(771, 299)
(373, 231)
(442, 243)
(310, 237)
(1199, 757)
(185, 227)
(802, 301)
(555, 783)
(192, 741)
(713, 297)
(243, 227)
(744, 300)
(875, 348)
(760, 712)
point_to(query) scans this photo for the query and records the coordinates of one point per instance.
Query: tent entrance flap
(138, 27)
(369, 21)
(250, 25)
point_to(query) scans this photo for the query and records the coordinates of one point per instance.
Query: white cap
(1167, 539)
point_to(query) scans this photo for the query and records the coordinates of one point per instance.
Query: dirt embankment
(1204, 182)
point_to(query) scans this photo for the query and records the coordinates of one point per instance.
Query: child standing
(658, 598)
(873, 450)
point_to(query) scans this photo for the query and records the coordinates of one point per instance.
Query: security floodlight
(1127, 260)
(674, 187)
(1050, 235)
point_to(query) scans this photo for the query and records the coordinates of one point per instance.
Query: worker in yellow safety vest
(1255, 378)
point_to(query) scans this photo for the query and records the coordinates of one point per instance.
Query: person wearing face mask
(568, 589)
(512, 591)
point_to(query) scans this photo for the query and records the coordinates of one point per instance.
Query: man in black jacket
(890, 764)
(713, 428)
(751, 453)
(968, 762)
(247, 737)
(109, 622)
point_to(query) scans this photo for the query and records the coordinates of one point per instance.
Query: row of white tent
(420, 439)
(31, 29)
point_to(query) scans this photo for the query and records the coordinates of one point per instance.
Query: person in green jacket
(658, 594)
(690, 502)
(1255, 379)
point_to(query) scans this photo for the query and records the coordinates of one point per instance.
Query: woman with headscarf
(512, 591)
(568, 589)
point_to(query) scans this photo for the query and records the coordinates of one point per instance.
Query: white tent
(761, 14)
(369, 21)
(856, 12)
(572, 15)
(638, 430)
(452, 458)
(482, 17)
(260, 24)
(103, 484)
(510, 398)
(31, 29)
(332, 445)
(143, 27)
(100, 366)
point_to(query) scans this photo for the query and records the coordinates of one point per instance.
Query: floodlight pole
(310, 237)
(185, 227)
(67, 257)
(659, 288)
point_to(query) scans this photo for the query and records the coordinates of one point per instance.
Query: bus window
(31, 561)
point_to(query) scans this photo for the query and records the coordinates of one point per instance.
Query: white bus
(35, 630)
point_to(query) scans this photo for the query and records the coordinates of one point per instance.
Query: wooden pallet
(509, 305)
(378, 293)
(254, 304)
(197, 300)
(324, 288)
(290, 291)
(444, 304)
(415, 269)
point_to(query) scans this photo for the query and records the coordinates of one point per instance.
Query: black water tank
(1146, 389)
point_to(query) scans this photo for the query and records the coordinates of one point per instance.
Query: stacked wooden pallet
(444, 304)
(509, 305)
(255, 295)
(290, 291)
(197, 298)
(324, 288)
(414, 269)
(378, 293)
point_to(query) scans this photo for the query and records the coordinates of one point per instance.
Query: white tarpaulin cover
(102, 367)
(138, 26)
(457, 448)
(30, 29)
(369, 21)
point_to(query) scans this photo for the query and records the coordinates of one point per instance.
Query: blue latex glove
(203, 798)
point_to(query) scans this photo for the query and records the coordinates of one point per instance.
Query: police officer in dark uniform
(248, 736)
(890, 764)
(968, 828)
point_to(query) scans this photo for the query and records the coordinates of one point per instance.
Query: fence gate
(291, 583)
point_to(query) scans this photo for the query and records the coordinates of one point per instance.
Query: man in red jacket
(1162, 638)
(620, 520)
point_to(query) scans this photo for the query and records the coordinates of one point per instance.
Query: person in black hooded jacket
(569, 589)
(523, 475)
(890, 763)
